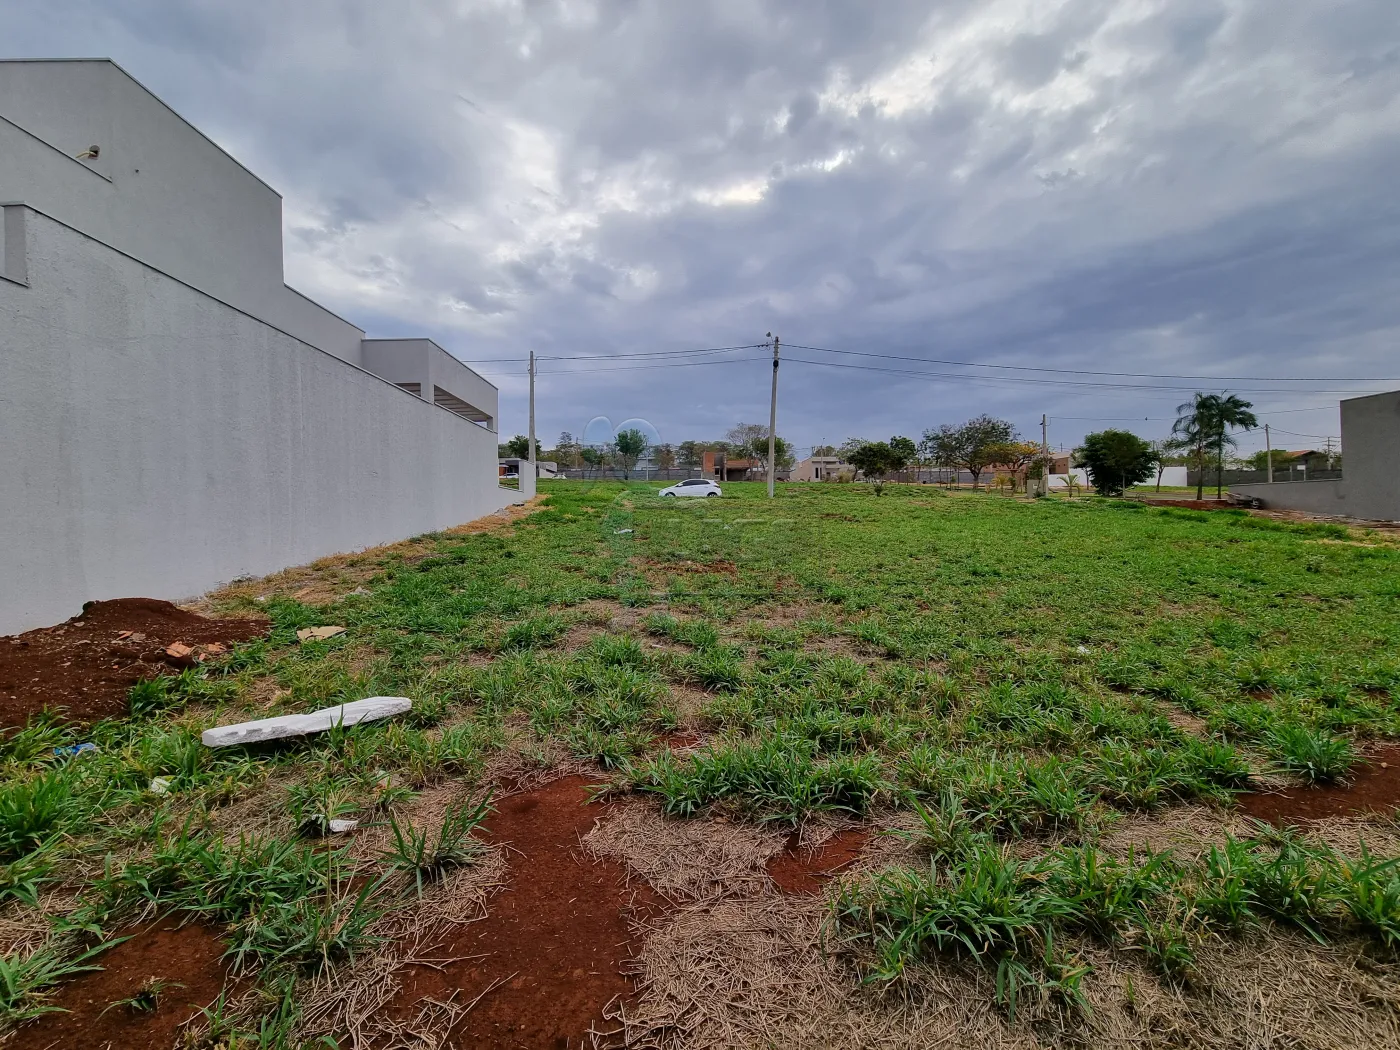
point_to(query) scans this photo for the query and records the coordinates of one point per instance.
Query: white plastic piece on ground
(318, 634)
(366, 710)
(340, 827)
(160, 785)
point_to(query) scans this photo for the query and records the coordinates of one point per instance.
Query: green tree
(665, 457)
(824, 450)
(591, 457)
(1202, 429)
(750, 440)
(906, 449)
(969, 446)
(1016, 456)
(1260, 460)
(875, 459)
(517, 447)
(628, 447)
(1115, 459)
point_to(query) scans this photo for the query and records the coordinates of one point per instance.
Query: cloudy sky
(1161, 187)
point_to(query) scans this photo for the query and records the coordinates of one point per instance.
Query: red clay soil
(181, 955)
(553, 945)
(800, 871)
(1373, 788)
(86, 665)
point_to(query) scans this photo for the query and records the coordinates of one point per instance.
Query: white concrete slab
(282, 726)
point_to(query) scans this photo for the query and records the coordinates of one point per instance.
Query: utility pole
(1044, 455)
(773, 422)
(532, 415)
(1269, 453)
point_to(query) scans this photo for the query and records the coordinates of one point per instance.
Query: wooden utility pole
(773, 422)
(1269, 453)
(532, 414)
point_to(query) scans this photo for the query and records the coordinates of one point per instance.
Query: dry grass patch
(698, 858)
(747, 972)
(335, 576)
(1187, 830)
(764, 971)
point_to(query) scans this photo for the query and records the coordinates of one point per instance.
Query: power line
(624, 368)
(1041, 382)
(612, 357)
(1294, 433)
(1089, 372)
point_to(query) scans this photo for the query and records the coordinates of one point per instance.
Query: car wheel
(668, 495)
(711, 495)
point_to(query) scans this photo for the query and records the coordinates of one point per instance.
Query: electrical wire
(612, 357)
(1089, 372)
(621, 368)
(1040, 382)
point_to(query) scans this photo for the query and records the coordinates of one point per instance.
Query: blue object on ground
(74, 749)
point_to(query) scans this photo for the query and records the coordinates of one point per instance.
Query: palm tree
(1202, 428)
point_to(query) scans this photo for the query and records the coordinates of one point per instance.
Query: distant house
(821, 468)
(723, 468)
(1309, 460)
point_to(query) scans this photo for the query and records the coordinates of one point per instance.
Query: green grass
(1009, 669)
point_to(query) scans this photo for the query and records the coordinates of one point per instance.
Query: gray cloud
(1183, 186)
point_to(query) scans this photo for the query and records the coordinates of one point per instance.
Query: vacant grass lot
(1050, 705)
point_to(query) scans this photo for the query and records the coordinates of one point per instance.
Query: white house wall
(158, 442)
(158, 190)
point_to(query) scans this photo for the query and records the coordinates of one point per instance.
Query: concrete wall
(1370, 485)
(1057, 481)
(1175, 476)
(158, 190)
(1311, 497)
(430, 368)
(158, 442)
(1370, 450)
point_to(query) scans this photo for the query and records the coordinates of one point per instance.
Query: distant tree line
(628, 447)
(1114, 460)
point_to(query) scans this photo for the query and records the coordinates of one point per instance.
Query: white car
(693, 487)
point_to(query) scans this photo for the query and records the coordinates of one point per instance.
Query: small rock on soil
(86, 666)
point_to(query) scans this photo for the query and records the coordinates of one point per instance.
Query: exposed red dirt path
(86, 665)
(1374, 788)
(554, 943)
(181, 955)
(796, 870)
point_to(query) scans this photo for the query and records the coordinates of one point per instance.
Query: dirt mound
(86, 665)
(549, 955)
(798, 870)
(1374, 788)
(185, 958)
